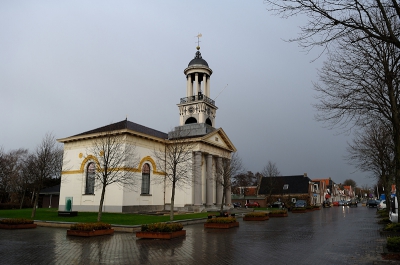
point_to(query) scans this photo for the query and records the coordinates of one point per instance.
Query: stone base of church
(187, 208)
(142, 208)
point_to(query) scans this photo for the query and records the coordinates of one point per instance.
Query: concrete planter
(254, 218)
(300, 210)
(90, 233)
(221, 225)
(278, 214)
(19, 226)
(161, 235)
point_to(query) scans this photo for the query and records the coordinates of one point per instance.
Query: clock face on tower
(191, 110)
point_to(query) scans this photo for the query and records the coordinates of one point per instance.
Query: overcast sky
(71, 66)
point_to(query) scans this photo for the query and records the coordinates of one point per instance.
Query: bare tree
(273, 183)
(177, 159)
(18, 181)
(244, 179)
(11, 166)
(225, 172)
(115, 163)
(372, 150)
(331, 20)
(361, 87)
(350, 182)
(43, 164)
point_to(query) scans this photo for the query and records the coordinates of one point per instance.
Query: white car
(394, 211)
(382, 205)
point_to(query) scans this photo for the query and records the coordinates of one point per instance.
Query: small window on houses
(286, 186)
(145, 179)
(90, 176)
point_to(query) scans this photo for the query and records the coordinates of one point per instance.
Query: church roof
(125, 124)
(296, 184)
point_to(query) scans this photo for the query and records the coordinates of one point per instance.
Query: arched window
(191, 120)
(208, 121)
(146, 179)
(90, 174)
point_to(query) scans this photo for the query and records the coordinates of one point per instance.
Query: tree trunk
(103, 191)
(22, 200)
(35, 204)
(221, 211)
(171, 213)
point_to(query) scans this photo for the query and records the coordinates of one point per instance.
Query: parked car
(300, 203)
(394, 210)
(237, 205)
(326, 204)
(372, 203)
(353, 202)
(341, 203)
(252, 205)
(279, 205)
(382, 205)
(335, 203)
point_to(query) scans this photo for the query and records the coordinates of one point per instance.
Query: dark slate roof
(198, 60)
(51, 190)
(297, 184)
(125, 124)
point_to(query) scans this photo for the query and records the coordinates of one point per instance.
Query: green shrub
(394, 227)
(385, 220)
(301, 208)
(90, 226)
(256, 214)
(162, 227)
(393, 244)
(222, 220)
(16, 221)
(382, 213)
(280, 211)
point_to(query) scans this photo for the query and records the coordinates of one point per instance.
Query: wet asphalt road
(337, 235)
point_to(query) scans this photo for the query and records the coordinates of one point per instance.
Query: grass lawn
(45, 214)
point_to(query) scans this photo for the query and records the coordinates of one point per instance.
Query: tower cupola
(197, 106)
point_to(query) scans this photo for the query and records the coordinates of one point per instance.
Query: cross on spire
(198, 40)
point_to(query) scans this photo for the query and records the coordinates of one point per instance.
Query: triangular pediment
(219, 139)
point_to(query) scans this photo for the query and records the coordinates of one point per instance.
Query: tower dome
(198, 59)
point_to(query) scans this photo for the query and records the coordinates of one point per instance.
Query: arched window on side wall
(90, 176)
(145, 179)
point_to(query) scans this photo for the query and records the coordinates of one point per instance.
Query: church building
(197, 118)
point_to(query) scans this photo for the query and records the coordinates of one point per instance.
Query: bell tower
(197, 107)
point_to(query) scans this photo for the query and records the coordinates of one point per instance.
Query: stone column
(197, 178)
(209, 181)
(205, 84)
(196, 80)
(189, 88)
(219, 188)
(208, 87)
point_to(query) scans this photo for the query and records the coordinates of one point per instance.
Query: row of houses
(289, 189)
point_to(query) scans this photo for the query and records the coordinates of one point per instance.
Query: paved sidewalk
(330, 236)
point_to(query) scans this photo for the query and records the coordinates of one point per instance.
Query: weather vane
(198, 40)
